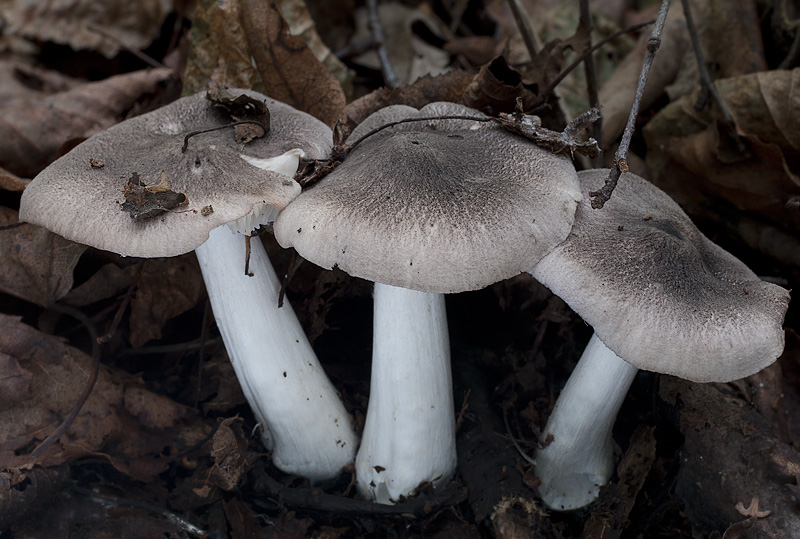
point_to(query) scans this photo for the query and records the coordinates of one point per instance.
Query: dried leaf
(447, 87)
(301, 24)
(33, 131)
(167, 288)
(12, 182)
(37, 264)
(107, 282)
(70, 22)
(616, 95)
(478, 50)
(289, 70)
(232, 460)
(50, 377)
(753, 168)
(220, 55)
(144, 201)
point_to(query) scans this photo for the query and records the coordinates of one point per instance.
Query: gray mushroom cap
(82, 202)
(437, 206)
(659, 293)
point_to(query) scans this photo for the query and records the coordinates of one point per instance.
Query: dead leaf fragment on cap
(147, 201)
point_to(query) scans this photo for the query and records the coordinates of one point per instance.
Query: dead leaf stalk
(525, 28)
(226, 126)
(73, 413)
(591, 75)
(567, 70)
(599, 198)
(705, 77)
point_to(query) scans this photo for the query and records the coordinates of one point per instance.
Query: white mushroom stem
(409, 435)
(580, 458)
(303, 419)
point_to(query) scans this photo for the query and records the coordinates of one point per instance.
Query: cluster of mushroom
(422, 209)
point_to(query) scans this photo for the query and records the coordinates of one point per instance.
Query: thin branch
(352, 146)
(152, 62)
(705, 76)
(389, 75)
(599, 198)
(525, 28)
(567, 70)
(209, 130)
(73, 413)
(591, 74)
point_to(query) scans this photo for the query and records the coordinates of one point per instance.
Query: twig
(591, 74)
(705, 77)
(76, 408)
(525, 28)
(351, 147)
(389, 76)
(456, 14)
(12, 225)
(567, 70)
(123, 306)
(176, 520)
(209, 130)
(294, 264)
(152, 62)
(599, 198)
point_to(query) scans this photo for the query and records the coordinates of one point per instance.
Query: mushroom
(660, 297)
(178, 201)
(422, 209)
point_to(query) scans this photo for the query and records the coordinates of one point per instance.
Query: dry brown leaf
(478, 50)
(691, 152)
(70, 22)
(33, 131)
(301, 24)
(219, 53)
(37, 264)
(232, 460)
(495, 88)
(12, 182)
(167, 288)
(107, 282)
(41, 379)
(447, 87)
(616, 95)
(289, 70)
(20, 78)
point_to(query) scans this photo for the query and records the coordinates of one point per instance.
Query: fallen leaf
(232, 460)
(301, 24)
(33, 131)
(754, 167)
(289, 70)
(428, 89)
(37, 265)
(167, 288)
(616, 94)
(43, 380)
(12, 182)
(220, 54)
(71, 22)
